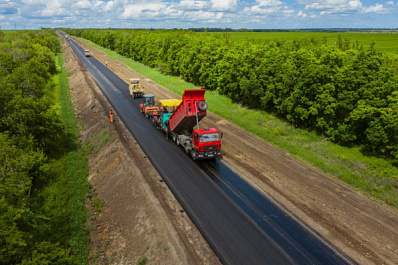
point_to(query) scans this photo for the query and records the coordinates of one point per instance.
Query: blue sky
(268, 14)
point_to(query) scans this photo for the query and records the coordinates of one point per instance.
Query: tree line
(33, 217)
(343, 91)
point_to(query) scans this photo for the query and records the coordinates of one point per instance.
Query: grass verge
(375, 177)
(76, 170)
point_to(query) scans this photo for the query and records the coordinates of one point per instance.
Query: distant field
(385, 42)
(7, 31)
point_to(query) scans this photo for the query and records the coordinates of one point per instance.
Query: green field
(385, 42)
(8, 31)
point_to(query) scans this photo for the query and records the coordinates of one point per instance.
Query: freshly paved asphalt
(241, 225)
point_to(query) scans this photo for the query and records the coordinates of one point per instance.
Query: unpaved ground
(364, 230)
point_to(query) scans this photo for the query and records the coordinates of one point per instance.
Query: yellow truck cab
(87, 53)
(135, 88)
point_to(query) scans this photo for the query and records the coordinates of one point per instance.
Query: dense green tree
(30, 134)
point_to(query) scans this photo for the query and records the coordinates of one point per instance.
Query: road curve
(240, 224)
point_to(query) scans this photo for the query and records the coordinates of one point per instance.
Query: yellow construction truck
(136, 91)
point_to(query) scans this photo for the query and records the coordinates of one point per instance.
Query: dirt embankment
(364, 230)
(140, 219)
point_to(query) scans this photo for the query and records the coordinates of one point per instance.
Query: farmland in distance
(385, 42)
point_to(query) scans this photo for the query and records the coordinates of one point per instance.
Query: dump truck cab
(206, 143)
(135, 88)
(148, 106)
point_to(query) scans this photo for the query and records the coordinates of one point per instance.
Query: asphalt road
(241, 225)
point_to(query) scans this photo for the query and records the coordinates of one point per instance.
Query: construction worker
(106, 63)
(111, 115)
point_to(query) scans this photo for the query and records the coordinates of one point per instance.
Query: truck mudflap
(209, 154)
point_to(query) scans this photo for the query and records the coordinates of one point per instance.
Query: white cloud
(194, 5)
(224, 5)
(268, 7)
(208, 5)
(339, 6)
(268, 3)
(82, 4)
(301, 14)
(203, 16)
(378, 8)
(344, 7)
(144, 11)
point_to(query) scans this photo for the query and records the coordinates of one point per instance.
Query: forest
(343, 91)
(35, 224)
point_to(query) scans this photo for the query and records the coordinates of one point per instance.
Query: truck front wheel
(194, 155)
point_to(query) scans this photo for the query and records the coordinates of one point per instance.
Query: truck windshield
(210, 137)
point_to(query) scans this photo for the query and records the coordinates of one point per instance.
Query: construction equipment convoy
(177, 118)
(136, 91)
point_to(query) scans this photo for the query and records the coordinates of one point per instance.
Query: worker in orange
(111, 115)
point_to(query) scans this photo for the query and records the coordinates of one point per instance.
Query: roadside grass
(97, 142)
(77, 187)
(384, 42)
(373, 176)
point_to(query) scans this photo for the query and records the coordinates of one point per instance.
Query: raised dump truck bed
(184, 117)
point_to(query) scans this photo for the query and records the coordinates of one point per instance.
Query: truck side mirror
(221, 134)
(196, 137)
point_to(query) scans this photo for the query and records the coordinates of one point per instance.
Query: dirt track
(364, 230)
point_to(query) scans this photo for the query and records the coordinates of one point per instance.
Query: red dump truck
(179, 123)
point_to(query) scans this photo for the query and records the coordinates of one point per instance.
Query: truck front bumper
(209, 154)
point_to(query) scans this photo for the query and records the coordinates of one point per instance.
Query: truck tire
(202, 106)
(194, 155)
